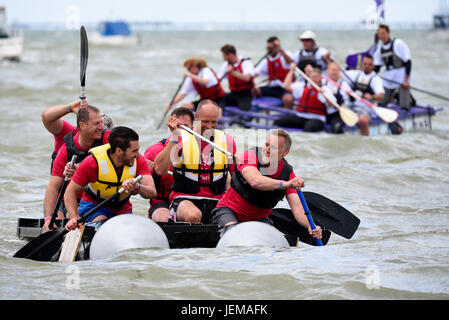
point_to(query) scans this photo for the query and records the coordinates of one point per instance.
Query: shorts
(224, 215)
(277, 92)
(205, 205)
(361, 110)
(85, 207)
(241, 99)
(159, 205)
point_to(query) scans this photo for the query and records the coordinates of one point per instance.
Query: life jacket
(275, 69)
(212, 93)
(72, 149)
(261, 199)
(336, 91)
(236, 84)
(362, 84)
(187, 169)
(109, 181)
(304, 60)
(310, 103)
(390, 58)
(162, 183)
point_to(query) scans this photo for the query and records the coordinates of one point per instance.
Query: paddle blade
(41, 248)
(285, 222)
(331, 215)
(83, 56)
(349, 117)
(387, 115)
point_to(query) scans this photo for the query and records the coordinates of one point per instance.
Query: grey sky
(252, 11)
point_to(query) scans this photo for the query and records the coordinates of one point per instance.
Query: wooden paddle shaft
(335, 104)
(350, 92)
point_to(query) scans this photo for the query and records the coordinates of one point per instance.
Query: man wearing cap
(311, 53)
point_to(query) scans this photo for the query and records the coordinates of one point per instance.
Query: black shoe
(395, 128)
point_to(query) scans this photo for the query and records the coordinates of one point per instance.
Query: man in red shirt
(51, 119)
(108, 168)
(89, 133)
(201, 173)
(261, 179)
(276, 67)
(240, 73)
(159, 206)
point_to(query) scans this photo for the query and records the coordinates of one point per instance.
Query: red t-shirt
(205, 177)
(151, 154)
(59, 138)
(61, 159)
(245, 210)
(88, 172)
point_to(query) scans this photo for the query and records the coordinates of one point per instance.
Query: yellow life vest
(187, 168)
(108, 181)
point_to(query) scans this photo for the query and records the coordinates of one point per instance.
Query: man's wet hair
(121, 137)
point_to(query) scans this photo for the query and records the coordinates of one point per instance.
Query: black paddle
(286, 223)
(83, 62)
(326, 213)
(419, 90)
(61, 195)
(331, 215)
(171, 102)
(43, 247)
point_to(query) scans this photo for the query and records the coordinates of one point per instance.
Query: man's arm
(163, 162)
(51, 117)
(145, 187)
(51, 194)
(259, 182)
(298, 212)
(71, 204)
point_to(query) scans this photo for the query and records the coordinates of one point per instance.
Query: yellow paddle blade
(387, 115)
(348, 116)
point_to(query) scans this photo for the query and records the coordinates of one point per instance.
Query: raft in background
(265, 110)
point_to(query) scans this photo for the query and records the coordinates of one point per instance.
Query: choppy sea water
(396, 185)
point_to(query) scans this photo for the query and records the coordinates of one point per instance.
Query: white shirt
(376, 83)
(334, 89)
(247, 68)
(262, 68)
(206, 73)
(401, 49)
(318, 56)
(297, 91)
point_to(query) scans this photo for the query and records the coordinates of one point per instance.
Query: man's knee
(287, 100)
(188, 212)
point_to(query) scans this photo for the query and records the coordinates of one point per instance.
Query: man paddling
(201, 173)
(59, 128)
(339, 91)
(395, 55)
(201, 80)
(108, 168)
(240, 73)
(276, 67)
(312, 103)
(261, 179)
(89, 133)
(369, 86)
(311, 54)
(159, 206)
